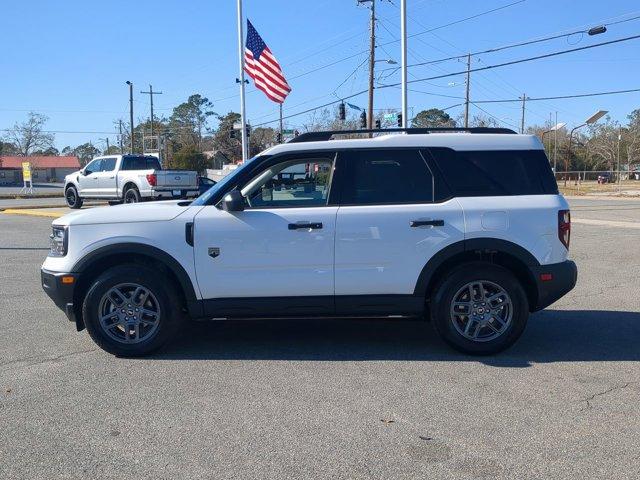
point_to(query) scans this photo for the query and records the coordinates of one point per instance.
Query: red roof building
(40, 162)
(43, 169)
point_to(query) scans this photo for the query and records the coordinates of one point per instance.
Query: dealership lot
(353, 398)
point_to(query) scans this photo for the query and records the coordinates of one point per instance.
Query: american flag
(262, 66)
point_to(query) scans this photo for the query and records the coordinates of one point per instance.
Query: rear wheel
(479, 308)
(72, 197)
(128, 311)
(131, 195)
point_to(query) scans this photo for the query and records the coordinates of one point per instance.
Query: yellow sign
(26, 171)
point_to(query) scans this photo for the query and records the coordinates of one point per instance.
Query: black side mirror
(233, 201)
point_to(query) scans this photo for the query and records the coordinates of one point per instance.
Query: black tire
(131, 195)
(170, 310)
(72, 197)
(453, 284)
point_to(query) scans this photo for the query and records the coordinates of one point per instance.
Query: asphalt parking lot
(330, 399)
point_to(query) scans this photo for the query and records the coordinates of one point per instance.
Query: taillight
(152, 179)
(564, 227)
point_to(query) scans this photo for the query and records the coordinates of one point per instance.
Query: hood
(126, 213)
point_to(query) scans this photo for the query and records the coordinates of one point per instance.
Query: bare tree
(603, 144)
(29, 136)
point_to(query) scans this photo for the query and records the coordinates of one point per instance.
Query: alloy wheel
(129, 313)
(481, 311)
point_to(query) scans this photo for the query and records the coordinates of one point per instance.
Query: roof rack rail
(326, 135)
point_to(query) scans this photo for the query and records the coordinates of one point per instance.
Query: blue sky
(70, 60)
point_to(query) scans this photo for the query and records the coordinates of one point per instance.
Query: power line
(521, 60)
(488, 67)
(561, 97)
(515, 45)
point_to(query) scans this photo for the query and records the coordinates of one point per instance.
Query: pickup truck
(128, 179)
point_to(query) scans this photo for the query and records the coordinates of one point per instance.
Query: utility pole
(524, 99)
(151, 93)
(120, 136)
(555, 146)
(466, 101)
(372, 59)
(403, 60)
(131, 111)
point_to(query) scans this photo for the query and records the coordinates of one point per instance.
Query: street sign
(390, 117)
(27, 182)
(288, 131)
(26, 171)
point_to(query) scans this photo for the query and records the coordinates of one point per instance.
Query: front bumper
(553, 282)
(61, 293)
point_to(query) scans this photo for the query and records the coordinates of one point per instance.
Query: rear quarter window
(495, 172)
(140, 163)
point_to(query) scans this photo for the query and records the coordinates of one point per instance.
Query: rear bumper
(61, 293)
(553, 282)
(169, 192)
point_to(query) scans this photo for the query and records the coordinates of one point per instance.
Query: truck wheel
(131, 195)
(129, 311)
(72, 197)
(479, 308)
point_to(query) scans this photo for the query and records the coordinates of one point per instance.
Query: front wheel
(479, 308)
(128, 311)
(72, 197)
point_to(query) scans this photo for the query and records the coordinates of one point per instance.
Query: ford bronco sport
(462, 227)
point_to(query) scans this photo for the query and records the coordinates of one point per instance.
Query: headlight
(59, 240)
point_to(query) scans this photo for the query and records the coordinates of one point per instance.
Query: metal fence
(599, 182)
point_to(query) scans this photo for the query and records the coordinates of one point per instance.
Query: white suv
(464, 228)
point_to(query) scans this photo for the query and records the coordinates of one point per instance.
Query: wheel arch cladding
(493, 250)
(96, 262)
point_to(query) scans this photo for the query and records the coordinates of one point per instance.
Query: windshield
(204, 198)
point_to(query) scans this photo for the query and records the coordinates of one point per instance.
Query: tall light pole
(589, 121)
(403, 60)
(241, 81)
(131, 111)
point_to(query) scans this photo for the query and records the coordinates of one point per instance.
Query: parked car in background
(204, 184)
(128, 179)
(604, 178)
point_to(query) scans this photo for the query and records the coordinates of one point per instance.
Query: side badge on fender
(214, 252)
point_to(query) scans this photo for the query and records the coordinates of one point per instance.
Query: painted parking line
(606, 223)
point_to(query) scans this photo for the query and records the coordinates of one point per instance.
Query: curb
(28, 212)
(25, 197)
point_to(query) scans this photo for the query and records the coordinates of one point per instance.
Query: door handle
(427, 223)
(305, 226)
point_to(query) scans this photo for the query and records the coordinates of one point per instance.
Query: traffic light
(378, 124)
(296, 133)
(279, 137)
(248, 130)
(363, 119)
(400, 119)
(342, 113)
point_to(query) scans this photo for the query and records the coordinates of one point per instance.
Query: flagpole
(243, 119)
(403, 60)
(281, 122)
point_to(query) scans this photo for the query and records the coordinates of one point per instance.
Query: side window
(93, 167)
(387, 176)
(108, 164)
(499, 172)
(293, 183)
